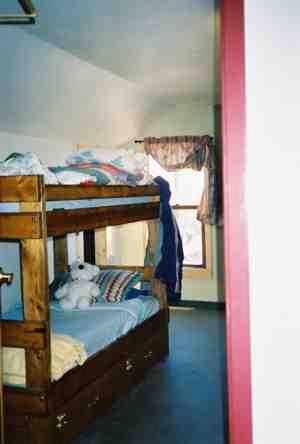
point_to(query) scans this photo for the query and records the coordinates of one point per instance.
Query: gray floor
(181, 400)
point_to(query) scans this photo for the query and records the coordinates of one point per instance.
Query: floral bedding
(83, 168)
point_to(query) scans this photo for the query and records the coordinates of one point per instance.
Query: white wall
(272, 180)
(207, 290)
(50, 152)
(49, 93)
(186, 118)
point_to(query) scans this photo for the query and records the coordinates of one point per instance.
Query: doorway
(235, 221)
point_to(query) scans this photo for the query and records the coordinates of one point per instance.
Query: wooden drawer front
(16, 430)
(148, 355)
(93, 369)
(98, 366)
(72, 418)
(148, 329)
(17, 435)
(18, 401)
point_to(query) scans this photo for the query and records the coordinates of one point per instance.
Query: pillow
(76, 175)
(134, 293)
(115, 284)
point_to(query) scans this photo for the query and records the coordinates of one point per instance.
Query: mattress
(92, 329)
(102, 323)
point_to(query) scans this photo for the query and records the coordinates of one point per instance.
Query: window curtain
(196, 152)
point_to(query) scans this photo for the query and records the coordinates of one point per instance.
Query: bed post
(60, 247)
(158, 289)
(89, 246)
(34, 260)
(152, 233)
(157, 286)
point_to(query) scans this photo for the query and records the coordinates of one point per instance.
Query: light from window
(186, 188)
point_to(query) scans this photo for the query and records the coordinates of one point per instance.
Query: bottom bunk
(84, 392)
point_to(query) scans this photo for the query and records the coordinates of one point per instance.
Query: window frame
(206, 271)
(203, 271)
(193, 207)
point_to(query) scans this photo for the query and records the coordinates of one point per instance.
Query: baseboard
(200, 304)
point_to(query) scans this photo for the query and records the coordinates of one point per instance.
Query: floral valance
(196, 152)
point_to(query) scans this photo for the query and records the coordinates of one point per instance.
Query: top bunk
(30, 189)
(26, 203)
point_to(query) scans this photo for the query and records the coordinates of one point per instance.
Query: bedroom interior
(105, 76)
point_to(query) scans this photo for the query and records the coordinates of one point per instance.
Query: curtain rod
(27, 18)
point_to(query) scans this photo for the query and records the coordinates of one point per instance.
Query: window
(114, 246)
(186, 187)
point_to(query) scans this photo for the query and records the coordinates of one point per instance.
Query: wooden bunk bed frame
(45, 411)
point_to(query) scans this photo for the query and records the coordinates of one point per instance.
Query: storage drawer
(149, 354)
(16, 430)
(94, 399)
(148, 329)
(94, 368)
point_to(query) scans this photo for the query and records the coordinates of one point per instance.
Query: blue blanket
(169, 267)
(98, 325)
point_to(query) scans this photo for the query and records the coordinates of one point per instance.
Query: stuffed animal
(79, 291)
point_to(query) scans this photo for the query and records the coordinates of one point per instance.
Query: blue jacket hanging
(169, 267)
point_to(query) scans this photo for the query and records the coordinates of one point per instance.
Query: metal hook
(5, 278)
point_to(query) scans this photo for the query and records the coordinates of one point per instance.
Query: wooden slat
(89, 246)
(20, 188)
(16, 429)
(37, 368)
(60, 254)
(159, 290)
(20, 226)
(148, 271)
(36, 299)
(67, 221)
(65, 192)
(35, 286)
(42, 430)
(35, 294)
(152, 230)
(24, 334)
(24, 401)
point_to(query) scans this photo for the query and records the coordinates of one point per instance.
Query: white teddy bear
(80, 291)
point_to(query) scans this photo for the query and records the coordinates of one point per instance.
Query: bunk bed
(45, 411)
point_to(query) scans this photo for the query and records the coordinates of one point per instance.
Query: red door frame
(235, 221)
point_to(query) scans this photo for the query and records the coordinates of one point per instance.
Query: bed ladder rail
(29, 227)
(30, 335)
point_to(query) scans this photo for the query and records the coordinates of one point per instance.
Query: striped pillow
(115, 284)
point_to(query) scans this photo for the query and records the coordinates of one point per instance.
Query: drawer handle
(129, 365)
(61, 421)
(148, 354)
(92, 403)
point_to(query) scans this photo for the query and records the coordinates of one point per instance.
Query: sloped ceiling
(89, 67)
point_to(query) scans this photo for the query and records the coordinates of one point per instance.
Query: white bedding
(66, 353)
(102, 167)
